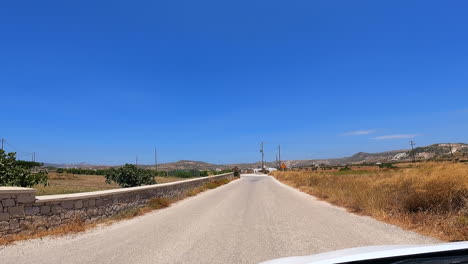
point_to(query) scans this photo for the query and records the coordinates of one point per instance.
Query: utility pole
(412, 143)
(156, 160)
(136, 160)
(3, 140)
(34, 160)
(279, 154)
(261, 150)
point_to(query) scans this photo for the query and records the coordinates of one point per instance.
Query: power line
(22, 155)
(11, 146)
(18, 152)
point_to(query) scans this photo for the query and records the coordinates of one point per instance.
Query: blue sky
(104, 81)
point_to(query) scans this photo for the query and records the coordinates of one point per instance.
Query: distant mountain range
(435, 151)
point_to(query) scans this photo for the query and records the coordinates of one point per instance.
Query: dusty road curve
(249, 220)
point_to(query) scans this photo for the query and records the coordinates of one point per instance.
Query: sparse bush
(158, 203)
(387, 166)
(126, 214)
(130, 176)
(345, 169)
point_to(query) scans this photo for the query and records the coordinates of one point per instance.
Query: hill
(431, 152)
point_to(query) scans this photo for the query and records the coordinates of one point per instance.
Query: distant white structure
(257, 170)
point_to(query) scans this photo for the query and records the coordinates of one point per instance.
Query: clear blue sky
(103, 81)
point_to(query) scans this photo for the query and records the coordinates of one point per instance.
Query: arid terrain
(430, 198)
(60, 183)
(252, 219)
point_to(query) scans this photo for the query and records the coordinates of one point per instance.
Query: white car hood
(366, 253)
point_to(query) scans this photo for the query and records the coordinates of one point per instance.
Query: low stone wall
(22, 211)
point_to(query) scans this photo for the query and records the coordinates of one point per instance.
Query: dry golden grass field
(61, 183)
(430, 198)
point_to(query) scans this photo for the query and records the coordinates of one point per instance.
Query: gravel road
(249, 220)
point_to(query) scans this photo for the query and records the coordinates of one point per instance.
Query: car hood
(367, 253)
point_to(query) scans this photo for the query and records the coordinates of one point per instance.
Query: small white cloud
(359, 132)
(396, 136)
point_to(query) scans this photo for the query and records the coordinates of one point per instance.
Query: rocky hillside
(435, 151)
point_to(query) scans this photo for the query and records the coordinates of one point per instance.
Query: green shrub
(15, 173)
(130, 176)
(82, 171)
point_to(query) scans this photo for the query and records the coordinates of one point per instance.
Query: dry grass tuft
(431, 198)
(76, 226)
(207, 186)
(158, 203)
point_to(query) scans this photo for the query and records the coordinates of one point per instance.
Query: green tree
(130, 176)
(14, 173)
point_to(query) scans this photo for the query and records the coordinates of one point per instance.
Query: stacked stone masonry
(22, 212)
